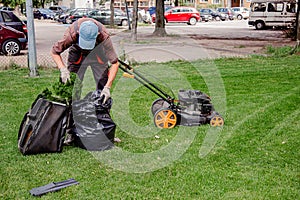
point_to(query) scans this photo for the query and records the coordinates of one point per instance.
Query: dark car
(152, 10)
(11, 40)
(227, 11)
(205, 15)
(103, 16)
(215, 15)
(8, 18)
(77, 14)
(42, 13)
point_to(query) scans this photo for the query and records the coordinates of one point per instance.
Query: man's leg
(100, 73)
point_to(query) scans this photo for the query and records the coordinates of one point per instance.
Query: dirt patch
(241, 46)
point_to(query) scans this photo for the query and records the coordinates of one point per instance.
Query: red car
(11, 40)
(187, 15)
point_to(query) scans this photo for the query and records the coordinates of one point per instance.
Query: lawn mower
(193, 107)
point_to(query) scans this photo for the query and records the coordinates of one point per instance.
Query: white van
(272, 13)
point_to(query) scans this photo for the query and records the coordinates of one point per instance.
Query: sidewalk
(183, 46)
(158, 49)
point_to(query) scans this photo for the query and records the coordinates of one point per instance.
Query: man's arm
(58, 60)
(112, 74)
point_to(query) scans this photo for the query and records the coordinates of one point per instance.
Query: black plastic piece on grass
(52, 187)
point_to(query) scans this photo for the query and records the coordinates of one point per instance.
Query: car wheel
(259, 25)
(239, 17)
(124, 23)
(192, 21)
(11, 47)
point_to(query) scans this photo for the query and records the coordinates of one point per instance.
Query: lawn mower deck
(194, 108)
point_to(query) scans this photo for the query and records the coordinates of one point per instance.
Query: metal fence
(44, 59)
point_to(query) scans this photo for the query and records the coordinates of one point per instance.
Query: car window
(105, 14)
(259, 7)
(6, 17)
(291, 7)
(185, 10)
(275, 7)
(176, 10)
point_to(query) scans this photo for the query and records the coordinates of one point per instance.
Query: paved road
(178, 46)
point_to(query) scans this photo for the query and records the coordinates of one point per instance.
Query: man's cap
(88, 33)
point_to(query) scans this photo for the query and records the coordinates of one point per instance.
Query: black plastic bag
(94, 129)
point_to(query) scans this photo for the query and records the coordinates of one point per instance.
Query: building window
(216, 2)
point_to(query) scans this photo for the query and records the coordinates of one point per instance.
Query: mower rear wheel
(158, 104)
(217, 121)
(165, 118)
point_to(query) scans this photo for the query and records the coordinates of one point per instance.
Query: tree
(298, 24)
(297, 31)
(160, 19)
(112, 14)
(176, 3)
(134, 20)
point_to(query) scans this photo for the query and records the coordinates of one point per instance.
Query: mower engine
(194, 101)
(195, 108)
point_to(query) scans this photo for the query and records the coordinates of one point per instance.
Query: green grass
(255, 156)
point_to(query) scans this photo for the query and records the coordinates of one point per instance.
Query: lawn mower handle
(152, 87)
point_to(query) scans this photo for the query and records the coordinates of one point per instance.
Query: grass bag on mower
(43, 127)
(94, 129)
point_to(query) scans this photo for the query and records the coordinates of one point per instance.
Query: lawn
(254, 156)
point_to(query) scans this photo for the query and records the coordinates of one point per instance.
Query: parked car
(272, 13)
(42, 13)
(58, 9)
(227, 11)
(205, 16)
(215, 15)
(63, 16)
(103, 16)
(77, 14)
(8, 18)
(187, 15)
(6, 8)
(241, 12)
(152, 10)
(11, 40)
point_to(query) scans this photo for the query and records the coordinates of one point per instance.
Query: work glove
(105, 94)
(64, 74)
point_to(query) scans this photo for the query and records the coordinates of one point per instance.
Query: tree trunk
(296, 47)
(112, 14)
(160, 19)
(176, 3)
(298, 24)
(134, 20)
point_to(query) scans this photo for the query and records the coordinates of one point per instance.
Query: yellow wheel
(165, 118)
(217, 121)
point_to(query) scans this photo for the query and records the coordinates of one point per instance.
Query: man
(89, 44)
